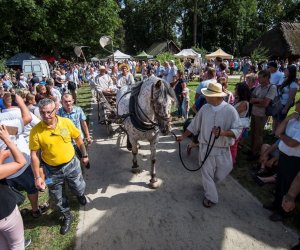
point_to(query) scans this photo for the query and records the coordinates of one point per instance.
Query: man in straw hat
(216, 118)
(104, 83)
(125, 78)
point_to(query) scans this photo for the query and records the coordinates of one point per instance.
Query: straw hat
(124, 65)
(102, 67)
(213, 90)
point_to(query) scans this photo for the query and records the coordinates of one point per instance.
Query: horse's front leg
(135, 167)
(153, 181)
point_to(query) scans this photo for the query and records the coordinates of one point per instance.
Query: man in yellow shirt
(52, 137)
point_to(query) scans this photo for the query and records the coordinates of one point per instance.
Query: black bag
(275, 107)
(20, 198)
(72, 86)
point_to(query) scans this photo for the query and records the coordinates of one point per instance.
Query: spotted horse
(147, 108)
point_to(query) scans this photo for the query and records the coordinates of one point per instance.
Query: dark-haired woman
(287, 92)
(242, 98)
(11, 224)
(179, 86)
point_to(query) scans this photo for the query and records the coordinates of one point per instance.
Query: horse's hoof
(154, 185)
(135, 170)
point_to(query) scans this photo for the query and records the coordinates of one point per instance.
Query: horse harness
(135, 110)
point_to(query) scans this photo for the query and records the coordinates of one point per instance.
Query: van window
(27, 68)
(36, 68)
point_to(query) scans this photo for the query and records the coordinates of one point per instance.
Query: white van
(40, 67)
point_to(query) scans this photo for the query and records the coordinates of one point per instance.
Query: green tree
(56, 26)
(148, 21)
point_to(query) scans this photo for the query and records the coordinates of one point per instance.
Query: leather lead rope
(207, 153)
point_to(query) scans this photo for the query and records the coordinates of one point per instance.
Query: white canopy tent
(118, 55)
(95, 59)
(219, 53)
(188, 53)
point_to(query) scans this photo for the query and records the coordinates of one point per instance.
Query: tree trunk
(195, 23)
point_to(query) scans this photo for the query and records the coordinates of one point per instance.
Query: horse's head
(161, 98)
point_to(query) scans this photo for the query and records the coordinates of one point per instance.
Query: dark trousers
(288, 168)
(179, 104)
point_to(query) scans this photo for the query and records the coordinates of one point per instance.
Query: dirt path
(123, 213)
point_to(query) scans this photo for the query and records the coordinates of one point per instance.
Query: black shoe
(82, 200)
(258, 181)
(276, 217)
(264, 173)
(67, 222)
(252, 157)
(296, 247)
(269, 206)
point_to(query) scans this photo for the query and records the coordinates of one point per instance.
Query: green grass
(44, 231)
(243, 172)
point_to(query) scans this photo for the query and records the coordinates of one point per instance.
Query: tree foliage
(56, 26)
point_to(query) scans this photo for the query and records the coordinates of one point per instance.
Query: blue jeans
(69, 173)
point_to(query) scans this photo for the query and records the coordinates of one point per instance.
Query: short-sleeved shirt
(171, 74)
(269, 91)
(127, 80)
(277, 78)
(292, 130)
(54, 143)
(76, 116)
(285, 92)
(204, 84)
(19, 140)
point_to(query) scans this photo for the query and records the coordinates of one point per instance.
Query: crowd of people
(43, 145)
(48, 133)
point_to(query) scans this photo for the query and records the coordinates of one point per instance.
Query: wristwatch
(85, 156)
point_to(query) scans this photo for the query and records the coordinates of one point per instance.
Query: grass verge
(44, 231)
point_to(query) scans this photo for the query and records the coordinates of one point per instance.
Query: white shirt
(19, 140)
(292, 130)
(17, 114)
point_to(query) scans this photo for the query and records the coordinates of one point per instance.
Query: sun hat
(124, 65)
(102, 67)
(213, 90)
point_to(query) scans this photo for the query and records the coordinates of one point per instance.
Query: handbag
(19, 197)
(274, 106)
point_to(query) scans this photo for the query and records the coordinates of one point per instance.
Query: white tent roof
(219, 53)
(119, 55)
(95, 59)
(188, 53)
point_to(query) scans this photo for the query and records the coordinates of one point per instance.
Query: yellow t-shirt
(55, 144)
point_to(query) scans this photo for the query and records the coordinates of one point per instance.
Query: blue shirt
(76, 116)
(2, 104)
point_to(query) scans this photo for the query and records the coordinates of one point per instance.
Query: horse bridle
(168, 119)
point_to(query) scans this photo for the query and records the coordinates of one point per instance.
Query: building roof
(281, 41)
(160, 47)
